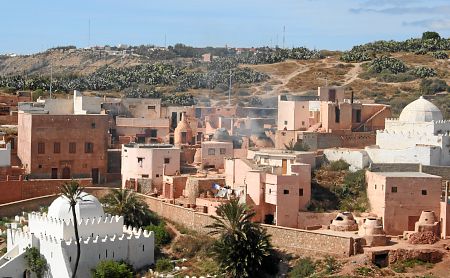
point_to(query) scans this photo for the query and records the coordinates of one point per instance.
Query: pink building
(145, 164)
(277, 198)
(400, 197)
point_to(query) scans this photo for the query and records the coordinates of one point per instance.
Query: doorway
(54, 173)
(412, 222)
(284, 166)
(66, 173)
(95, 174)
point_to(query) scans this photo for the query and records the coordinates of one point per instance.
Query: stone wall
(310, 219)
(442, 171)
(394, 167)
(299, 241)
(296, 240)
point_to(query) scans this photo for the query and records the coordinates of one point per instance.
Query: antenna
(284, 35)
(229, 91)
(277, 42)
(165, 41)
(89, 32)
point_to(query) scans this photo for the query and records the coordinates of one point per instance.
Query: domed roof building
(221, 135)
(102, 237)
(88, 208)
(419, 135)
(420, 110)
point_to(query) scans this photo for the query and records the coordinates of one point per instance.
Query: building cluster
(200, 157)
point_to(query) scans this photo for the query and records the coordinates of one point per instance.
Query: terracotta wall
(12, 191)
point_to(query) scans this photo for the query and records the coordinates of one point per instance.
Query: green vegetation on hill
(430, 42)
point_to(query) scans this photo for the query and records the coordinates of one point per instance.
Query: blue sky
(32, 26)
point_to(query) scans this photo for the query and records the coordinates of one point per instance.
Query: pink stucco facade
(149, 161)
(213, 153)
(400, 197)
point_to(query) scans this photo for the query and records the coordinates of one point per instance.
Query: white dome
(89, 207)
(420, 110)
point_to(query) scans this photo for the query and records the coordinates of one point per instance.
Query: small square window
(375, 186)
(72, 147)
(157, 175)
(92, 125)
(88, 147)
(222, 150)
(40, 166)
(285, 192)
(56, 147)
(211, 152)
(140, 160)
(285, 122)
(144, 176)
(424, 192)
(394, 189)
(41, 148)
(300, 192)
(166, 160)
(151, 107)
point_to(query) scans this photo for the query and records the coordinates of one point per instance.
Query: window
(375, 186)
(40, 166)
(166, 160)
(41, 148)
(358, 116)
(300, 192)
(140, 160)
(153, 132)
(303, 123)
(151, 107)
(72, 147)
(222, 150)
(424, 192)
(56, 147)
(394, 189)
(285, 122)
(157, 175)
(337, 114)
(88, 147)
(286, 191)
(144, 176)
(92, 125)
(211, 152)
(132, 106)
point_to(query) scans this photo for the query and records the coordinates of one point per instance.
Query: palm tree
(72, 191)
(125, 202)
(243, 248)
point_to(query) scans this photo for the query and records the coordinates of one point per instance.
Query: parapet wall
(296, 240)
(16, 190)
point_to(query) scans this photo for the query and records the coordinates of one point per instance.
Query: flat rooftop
(406, 175)
(149, 146)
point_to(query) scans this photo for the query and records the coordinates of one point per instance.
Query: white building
(419, 135)
(102, 237)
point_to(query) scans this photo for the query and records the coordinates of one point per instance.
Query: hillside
(386, 72)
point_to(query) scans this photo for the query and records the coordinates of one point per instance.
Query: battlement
(46, 220)
(129, 234)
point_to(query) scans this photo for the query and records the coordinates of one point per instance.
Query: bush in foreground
(112, 269)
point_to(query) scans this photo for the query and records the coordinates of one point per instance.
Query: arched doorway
(66, 173)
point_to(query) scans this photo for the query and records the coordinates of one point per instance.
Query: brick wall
(394, 167)
(16, 190)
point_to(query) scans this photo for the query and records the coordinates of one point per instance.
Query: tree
(243, 248)
(126, 203)
(431, 36)
(73, 192)
(112, 269)
(35, 261)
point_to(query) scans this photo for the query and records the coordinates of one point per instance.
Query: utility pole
(51, 79)
(229, 91)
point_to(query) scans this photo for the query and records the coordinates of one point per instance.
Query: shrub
(424, 72)
(392, 65)
(188, 246)
(338, 165)
(431, 86)
(112, 269)
(439, 55)
(331, 265)
(363, 271)
(304, 267)
(35, 262)
(162, 236)
(164, 265)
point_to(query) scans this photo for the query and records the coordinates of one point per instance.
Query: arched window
(143, 248)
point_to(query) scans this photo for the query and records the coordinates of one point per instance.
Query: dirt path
(352, 74)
